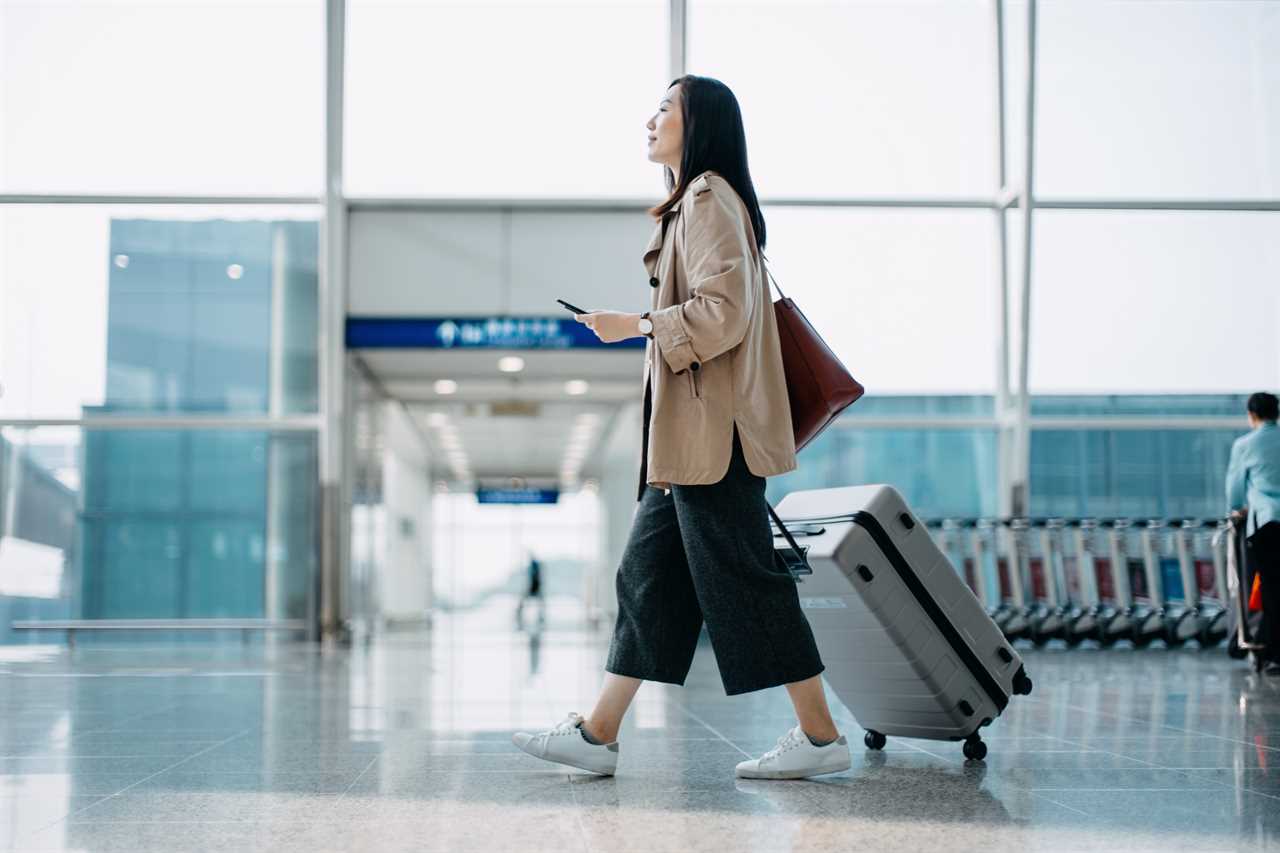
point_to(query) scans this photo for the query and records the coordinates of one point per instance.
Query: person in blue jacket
(1253, 488)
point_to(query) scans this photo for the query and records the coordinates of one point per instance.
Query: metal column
(1020, 497)
(679, 33)
(334, 507)
(1006, 435)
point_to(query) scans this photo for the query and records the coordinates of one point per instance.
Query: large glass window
(179, 97)
(941, 472)
(1155, 302)
(1130, 473)
(906, 298)
(857, 98)
(144, 309)
(103, 524)
(1156, 98)
(510, 99)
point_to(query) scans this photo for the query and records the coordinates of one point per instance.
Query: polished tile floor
(404, 745)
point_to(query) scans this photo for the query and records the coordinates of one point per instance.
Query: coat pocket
(695, 383)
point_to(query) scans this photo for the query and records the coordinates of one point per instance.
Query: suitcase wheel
(974, 748)
(1022, 683)
(874, 740)
(1233, 649)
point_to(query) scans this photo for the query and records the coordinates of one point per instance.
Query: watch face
(646, 326)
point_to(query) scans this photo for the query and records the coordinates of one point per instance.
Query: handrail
(223, 624)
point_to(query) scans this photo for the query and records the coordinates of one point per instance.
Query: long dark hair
(713, 140)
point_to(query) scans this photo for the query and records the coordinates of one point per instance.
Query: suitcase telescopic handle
(791, 541)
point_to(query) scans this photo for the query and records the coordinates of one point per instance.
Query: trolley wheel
(1171, 637)
(1211, 635)
(1141, 639)
(874, 740)
(1233, 649)
(1022, 683)
(1208, 637)
(974, 748)
(1040, 640)
(1073, 639)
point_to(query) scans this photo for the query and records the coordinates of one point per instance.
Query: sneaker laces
(792, 739)
(569, 725)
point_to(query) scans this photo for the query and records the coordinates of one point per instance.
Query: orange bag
(1255, 595)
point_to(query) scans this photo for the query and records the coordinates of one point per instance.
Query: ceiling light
(437, 419)
(576, 387)
(511, 364)
(446, 386)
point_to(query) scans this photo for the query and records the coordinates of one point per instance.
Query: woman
(716, 423)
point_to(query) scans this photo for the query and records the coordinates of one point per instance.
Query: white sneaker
(795, 757)
(565, 745)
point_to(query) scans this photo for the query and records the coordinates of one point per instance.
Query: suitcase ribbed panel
(905, 650)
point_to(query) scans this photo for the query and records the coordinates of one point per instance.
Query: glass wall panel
(1155, 98)
(173, 98)
(509, 99)
(1130, 473)
(141, 309)
(155, 524)
(941, 472)
(906, 298)
(1155, 302)
(857, 98)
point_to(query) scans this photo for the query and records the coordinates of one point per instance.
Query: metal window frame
(1012, 420)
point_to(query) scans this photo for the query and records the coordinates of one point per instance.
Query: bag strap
(769, 273)
(787, 533)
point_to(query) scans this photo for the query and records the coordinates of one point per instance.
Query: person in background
(1253, 488)
(534, 591)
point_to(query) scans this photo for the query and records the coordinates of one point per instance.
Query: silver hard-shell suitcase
(906, 645)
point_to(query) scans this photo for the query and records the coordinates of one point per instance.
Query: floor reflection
(404, 745)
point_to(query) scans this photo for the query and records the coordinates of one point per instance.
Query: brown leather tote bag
(819, 387)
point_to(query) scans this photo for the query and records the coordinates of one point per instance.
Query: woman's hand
(611, 326)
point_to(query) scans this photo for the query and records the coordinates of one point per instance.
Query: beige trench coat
(714, 359)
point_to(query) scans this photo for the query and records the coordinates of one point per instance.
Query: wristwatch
(646, 325)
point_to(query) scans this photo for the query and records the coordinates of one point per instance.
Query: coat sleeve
(1236, 470)
(717, 251)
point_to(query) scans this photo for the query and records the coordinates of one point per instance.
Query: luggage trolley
(1204, 567)
(1010, 550)
(1162, 549)
(982, 553)
(1044, 568)
(959, 550)
(1243, 639)
(1112, 616)
(950, 537)
(1130, 582)
(1080, 613)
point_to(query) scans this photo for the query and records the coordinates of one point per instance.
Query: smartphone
(569, 306)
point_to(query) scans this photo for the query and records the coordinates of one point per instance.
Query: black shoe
(1272, 668)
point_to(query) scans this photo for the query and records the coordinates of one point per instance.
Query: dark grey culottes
(706, 552)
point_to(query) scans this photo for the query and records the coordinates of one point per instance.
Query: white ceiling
(522, 425)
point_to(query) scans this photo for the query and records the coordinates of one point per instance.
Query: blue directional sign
(474, 333)
(517, 496)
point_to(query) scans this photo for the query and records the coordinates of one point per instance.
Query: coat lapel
(654, 249)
